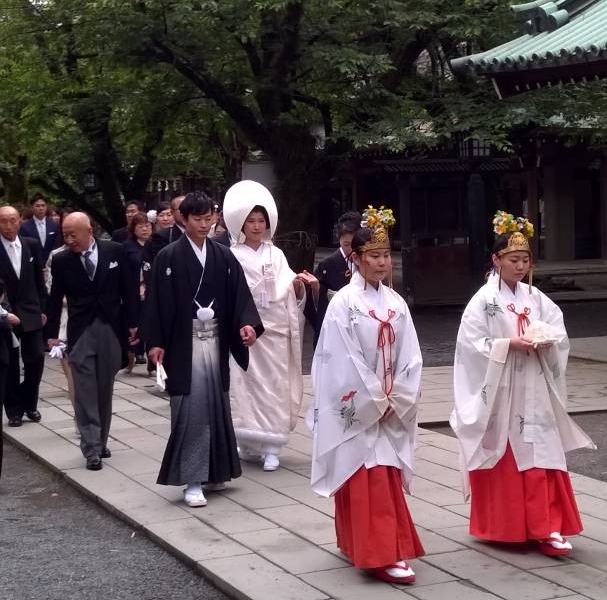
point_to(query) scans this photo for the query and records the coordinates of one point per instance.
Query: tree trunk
(301, 172)
(93, 116)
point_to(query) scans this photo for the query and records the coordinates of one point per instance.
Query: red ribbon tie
(522, 318)
(386, 336)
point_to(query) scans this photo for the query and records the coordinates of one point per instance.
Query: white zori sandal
(555, 545)
(398, 572)
(193, 496)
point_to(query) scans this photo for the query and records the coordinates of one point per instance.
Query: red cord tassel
(385, 336)
(522, 318)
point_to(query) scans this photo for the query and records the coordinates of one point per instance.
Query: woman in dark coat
(140, 230)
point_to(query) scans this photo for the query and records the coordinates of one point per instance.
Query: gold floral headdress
(379, 220)
(521, 229)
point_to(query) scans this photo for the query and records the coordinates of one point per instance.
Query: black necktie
(88, 264)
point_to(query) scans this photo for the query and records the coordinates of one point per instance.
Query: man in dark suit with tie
(41, 228)
(21, 270)
(130, 210)
(94, 277)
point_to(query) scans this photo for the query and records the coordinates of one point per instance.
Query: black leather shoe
(15, 421)
(106, 453)
(93, 463)
(33, 415)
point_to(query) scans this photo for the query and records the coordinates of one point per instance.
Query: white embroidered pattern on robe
(324, 356)
(355, 312)
(493, 308)
(347, 410)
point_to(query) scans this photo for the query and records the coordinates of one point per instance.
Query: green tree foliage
(188, 85)
(69, 105)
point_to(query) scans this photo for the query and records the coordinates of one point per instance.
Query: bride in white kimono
(510, 408)
(266, 399)
(366, 373)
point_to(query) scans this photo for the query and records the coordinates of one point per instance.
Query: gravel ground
(56, 544)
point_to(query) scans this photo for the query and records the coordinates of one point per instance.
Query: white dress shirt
(13, 250)
(41, 227)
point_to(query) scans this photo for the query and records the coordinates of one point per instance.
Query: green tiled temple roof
(561, 33)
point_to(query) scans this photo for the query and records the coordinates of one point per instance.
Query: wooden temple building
(444, 204)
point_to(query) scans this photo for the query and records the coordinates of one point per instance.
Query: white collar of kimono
(359, 281)
(505, 289)
(238, 203)
(201, 253)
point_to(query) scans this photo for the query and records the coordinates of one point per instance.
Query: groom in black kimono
(191, 273)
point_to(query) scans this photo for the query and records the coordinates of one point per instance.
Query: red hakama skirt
(509, 505)
(372, 521)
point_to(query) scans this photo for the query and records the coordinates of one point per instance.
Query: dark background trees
(141, 88)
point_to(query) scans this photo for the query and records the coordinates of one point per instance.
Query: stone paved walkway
(268, 535)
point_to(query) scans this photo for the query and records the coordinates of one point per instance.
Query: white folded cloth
(57, 351)
(542, 333)
(161, 376)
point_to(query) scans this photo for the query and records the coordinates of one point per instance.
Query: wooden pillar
(551, 213)
(477, 227)
(355, 190)
(403, 183)
(533, 209)
(603, 205)
(559, 199)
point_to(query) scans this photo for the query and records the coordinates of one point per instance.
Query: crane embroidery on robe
(324, 356)
(556, 371)
(493, 308)
(355, 312)
(347, 410)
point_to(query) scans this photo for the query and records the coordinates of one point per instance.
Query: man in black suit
(334, 272)
(21, 270)
(41, 228)
(8, 320)
(94, 277)
(131, 209)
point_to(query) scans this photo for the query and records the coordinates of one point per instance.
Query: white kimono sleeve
(349, 401)
(477, 377)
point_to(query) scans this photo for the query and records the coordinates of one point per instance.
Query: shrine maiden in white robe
(267, 398)
(503, 395)
(348, 373)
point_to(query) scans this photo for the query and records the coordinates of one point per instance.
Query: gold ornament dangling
(530, 280)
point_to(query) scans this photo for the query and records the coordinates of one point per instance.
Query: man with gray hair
(94, 277)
